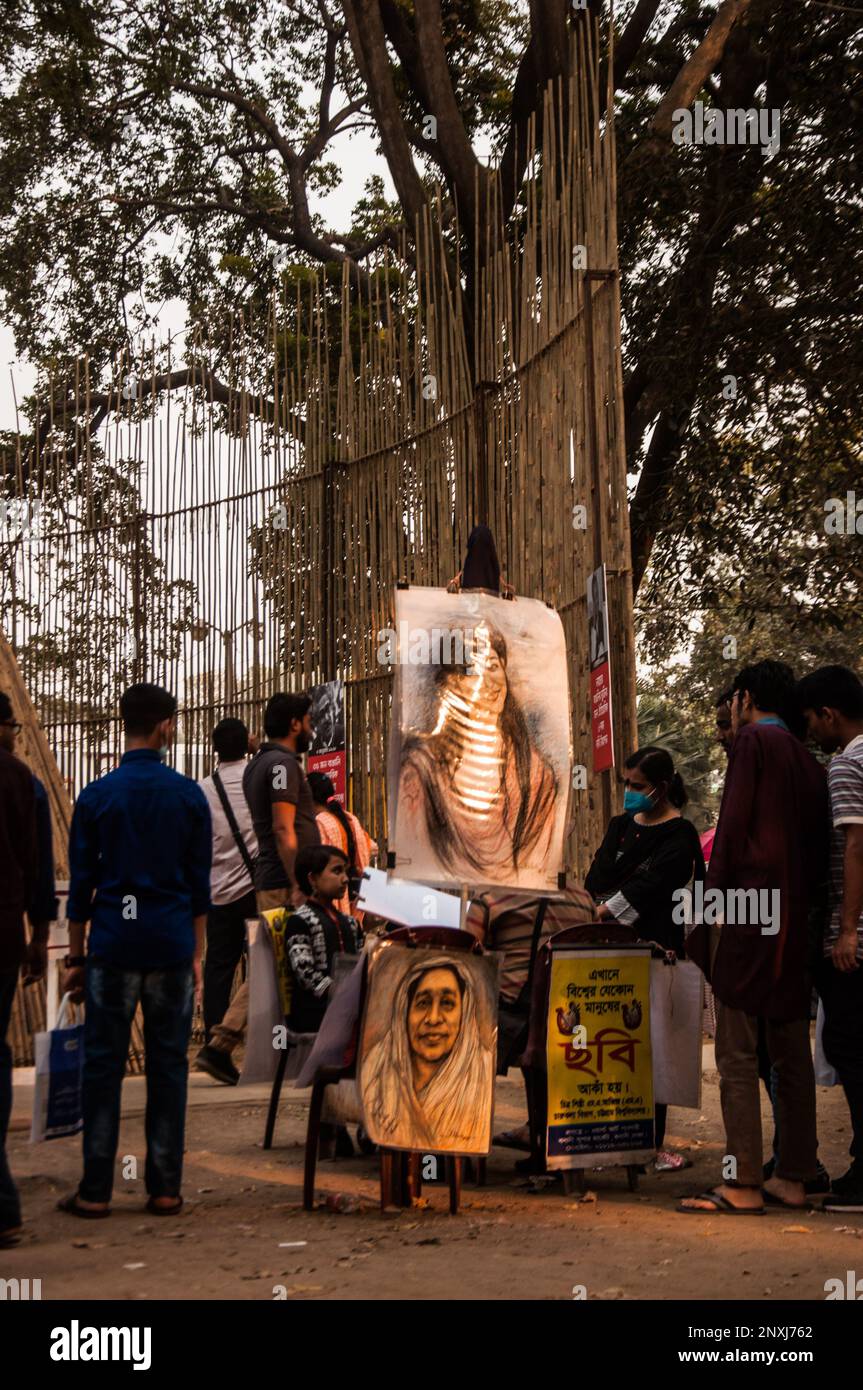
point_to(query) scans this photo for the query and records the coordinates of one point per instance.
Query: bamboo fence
(229, 547)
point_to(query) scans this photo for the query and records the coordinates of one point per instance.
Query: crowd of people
(165, 872)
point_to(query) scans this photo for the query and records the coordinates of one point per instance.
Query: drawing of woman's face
(485, 686)
(434, 1015)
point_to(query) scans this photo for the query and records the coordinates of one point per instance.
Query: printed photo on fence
(479, 766)
(427, 1050)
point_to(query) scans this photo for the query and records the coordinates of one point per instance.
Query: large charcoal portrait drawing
(480, 752)
(428, 1049)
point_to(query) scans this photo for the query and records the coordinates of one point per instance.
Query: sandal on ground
(721, 1206)
(164, 1211)
(11, 1236)
(511, 1139)
(771, 1200)
(71, 1206)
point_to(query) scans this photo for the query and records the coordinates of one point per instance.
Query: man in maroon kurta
(772, 837)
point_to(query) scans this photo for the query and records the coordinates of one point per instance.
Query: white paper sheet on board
(676, 1003)
(408, 904)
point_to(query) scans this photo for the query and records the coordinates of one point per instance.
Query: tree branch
(463, 169)
(368, 42)
(691, 78)
(197, 375)
(627, 46)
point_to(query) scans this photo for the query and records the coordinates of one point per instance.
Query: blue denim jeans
(112, 996)
(10, 1206)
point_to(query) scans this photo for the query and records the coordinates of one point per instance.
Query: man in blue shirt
(139, 858)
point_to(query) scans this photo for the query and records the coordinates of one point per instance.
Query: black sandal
(71, 1207)
(164, 1211)
(720, 1206)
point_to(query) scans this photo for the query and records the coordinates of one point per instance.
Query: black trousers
(226, 938)
(842, 996)
(10, 1206)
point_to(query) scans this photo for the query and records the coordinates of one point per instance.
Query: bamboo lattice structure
(228, 541)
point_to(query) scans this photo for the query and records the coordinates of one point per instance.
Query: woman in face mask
(648, 854)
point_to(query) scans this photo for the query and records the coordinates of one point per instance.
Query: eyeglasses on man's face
(11, 724)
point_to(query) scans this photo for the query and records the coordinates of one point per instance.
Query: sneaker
(846, 1201)
(218, 1065)
(814, 1187)
(820, 1183)
(852, 1181)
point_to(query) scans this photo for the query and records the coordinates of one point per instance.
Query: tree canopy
(164, 149)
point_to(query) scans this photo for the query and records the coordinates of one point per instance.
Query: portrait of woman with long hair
(477, 796)
(426, 1082)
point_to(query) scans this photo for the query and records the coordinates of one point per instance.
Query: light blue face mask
(633, 802)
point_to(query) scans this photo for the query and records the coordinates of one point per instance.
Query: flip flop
(164, 1211)
(71, 1207)
(11, 1236)
(721, 1206)
(771, 1200)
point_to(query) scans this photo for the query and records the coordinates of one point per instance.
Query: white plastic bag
(265, 1010)
(59, 1056)
(676, 1011)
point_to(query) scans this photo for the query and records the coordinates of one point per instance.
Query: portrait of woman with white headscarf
(427, 1057)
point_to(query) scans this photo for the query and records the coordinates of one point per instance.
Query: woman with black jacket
(648, 854)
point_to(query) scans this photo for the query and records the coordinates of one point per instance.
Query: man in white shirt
(235, 849)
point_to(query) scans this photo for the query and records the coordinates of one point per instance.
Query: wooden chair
(297, 1049)
(298, 1044)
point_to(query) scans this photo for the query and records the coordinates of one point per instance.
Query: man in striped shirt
(832, 700)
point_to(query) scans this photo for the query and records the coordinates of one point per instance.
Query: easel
(401, 1178)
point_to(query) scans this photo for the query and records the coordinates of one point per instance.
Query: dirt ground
(243, 1233)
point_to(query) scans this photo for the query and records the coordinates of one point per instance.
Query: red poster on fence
(333, 766)
(601, 727)
(600, 718)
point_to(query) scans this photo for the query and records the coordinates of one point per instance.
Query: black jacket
(647, 864)
(18, 855)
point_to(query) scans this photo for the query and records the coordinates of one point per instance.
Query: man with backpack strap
(232, 893)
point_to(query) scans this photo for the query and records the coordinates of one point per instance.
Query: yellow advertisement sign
(600, 1081)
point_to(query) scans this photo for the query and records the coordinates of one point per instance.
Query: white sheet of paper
(676, 1004)
(409, 904)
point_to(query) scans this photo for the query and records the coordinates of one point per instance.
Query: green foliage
(686, 735)
(166, 149)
